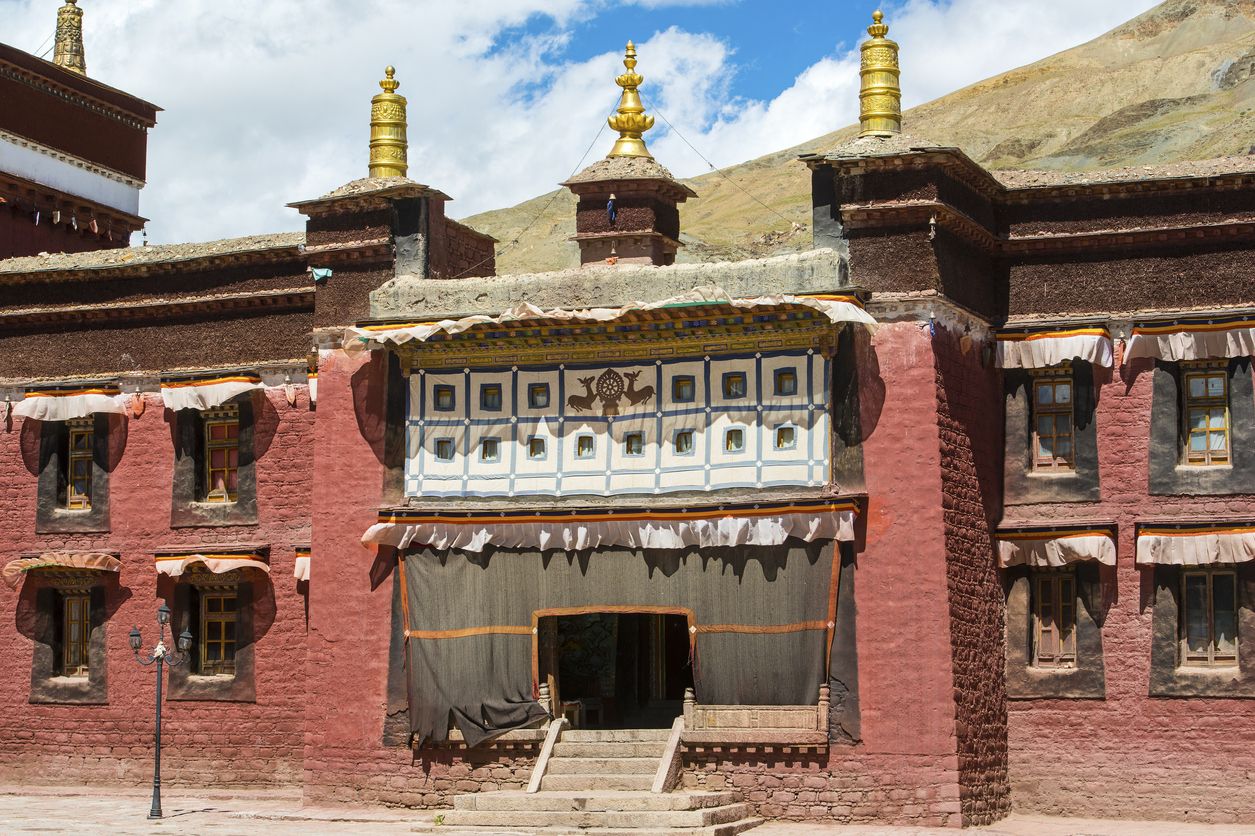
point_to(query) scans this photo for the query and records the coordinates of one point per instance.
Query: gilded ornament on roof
(630, 119)
(388, 144)
(68, 50)
(880, 96)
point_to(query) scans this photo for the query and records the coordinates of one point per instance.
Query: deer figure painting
(584, 402)
(637, 396)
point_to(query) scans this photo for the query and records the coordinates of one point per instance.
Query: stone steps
(595, 782)
(608, 749)
(559, 801)
(602, 766)
(583, 819)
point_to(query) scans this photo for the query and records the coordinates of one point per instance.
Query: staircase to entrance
(600, 782)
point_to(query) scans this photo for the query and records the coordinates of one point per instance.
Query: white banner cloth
(1192, 345)
(175, 565)
(576, 534)
(1202, 548)
(208, 394)
(1039, 352)
(301, 571)
(1055, 549)
(836, 307)
(52, 406)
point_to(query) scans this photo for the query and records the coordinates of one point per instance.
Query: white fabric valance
(1218, 338)
(1039, 350)
(1046, 549)
(207, 392)
(1195, 546)
(301, 570)
(66, 403)
(837, 308)
(15, 570)
(176, 564)
(767, 526)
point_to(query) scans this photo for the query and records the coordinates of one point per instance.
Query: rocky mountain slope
(1174, 84)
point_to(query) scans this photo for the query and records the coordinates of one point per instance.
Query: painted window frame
(677, 381)
(544, 448)
(634, 434)
(453, 449)
(75, 611)
(675, 441)
(728, 378)
(778, 376)
(592, 448)
(741, 432)
(534, 389)
(775, 436)
(439, 389)
(78, 430)
(227, 417)
(221, 618)
(484, 390)
(483, 449)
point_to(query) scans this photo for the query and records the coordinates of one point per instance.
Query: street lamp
(161, 656)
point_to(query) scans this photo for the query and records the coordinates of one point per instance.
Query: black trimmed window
(75, 483)
(218, 625)
(538, 396)
(1209, 618)
(74, 632)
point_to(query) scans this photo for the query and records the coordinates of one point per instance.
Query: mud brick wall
(1131, 755)
(969, 420)
(204, 743)
(466, 253)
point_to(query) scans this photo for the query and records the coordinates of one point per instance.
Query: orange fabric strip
(505, 630)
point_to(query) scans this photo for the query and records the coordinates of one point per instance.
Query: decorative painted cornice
(76, 97)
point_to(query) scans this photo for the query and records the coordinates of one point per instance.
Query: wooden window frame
(224, 416)
(1212, 659)
(78, 428)
(75, 610)
(1054, 377)
(1054, 597)
(1207, 457)
(222, 666)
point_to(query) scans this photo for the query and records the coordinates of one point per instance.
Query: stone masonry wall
(204, 743)
(968, 401)
(1131, 755)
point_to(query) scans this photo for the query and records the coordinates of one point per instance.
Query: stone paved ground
(124, 812)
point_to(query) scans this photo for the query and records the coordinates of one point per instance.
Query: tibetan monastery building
(949, 515)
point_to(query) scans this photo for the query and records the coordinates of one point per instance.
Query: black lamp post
(161, 656)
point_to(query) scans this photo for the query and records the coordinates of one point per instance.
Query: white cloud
(267, 103)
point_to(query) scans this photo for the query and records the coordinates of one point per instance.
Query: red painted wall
(231, 744)
(1131, 755)
(19, 235)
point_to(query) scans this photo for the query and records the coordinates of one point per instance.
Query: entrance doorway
(616, 670)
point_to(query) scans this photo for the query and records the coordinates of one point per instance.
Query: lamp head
(135, 638)
(163, 614)
(185, 641)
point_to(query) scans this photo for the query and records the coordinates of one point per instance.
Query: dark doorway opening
(616, 670)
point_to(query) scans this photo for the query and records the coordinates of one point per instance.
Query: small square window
(734, 385)
(734, 440)
(634, 444)
(538, 396)
(490, 450)
(786, 382)
(535, 447)
(683, 389)
(684, 443)
(584, 447)
(445, 399)
(786, 437)
(444, 449)
(490, 397)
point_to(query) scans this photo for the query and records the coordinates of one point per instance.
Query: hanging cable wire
(519, 235)
(721, 172)
(37, 49)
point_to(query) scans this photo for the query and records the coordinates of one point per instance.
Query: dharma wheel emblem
(610, 391)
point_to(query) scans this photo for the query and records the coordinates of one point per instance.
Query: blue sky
(267, 102)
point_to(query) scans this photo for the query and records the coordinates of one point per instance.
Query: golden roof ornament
(388, 146)
(880, 96)
(630, 120)
(68, 51)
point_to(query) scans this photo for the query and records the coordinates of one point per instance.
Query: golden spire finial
(388, 146)
(630, 120)
(880, 99)
(68, 51)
